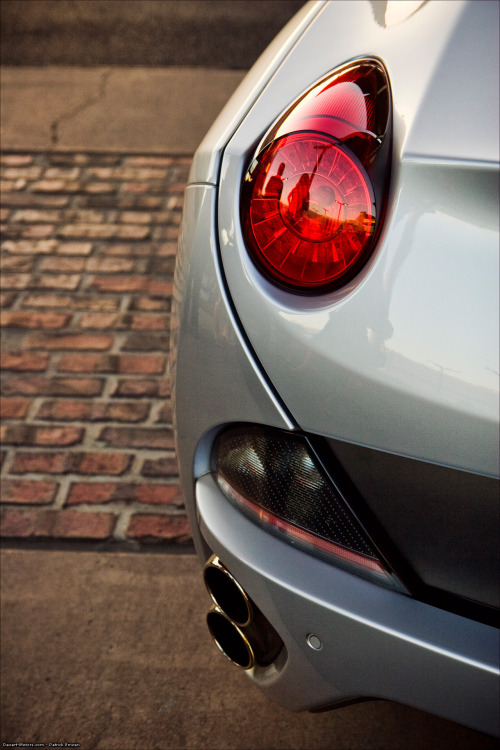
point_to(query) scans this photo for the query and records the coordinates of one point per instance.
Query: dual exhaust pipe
(238, 627)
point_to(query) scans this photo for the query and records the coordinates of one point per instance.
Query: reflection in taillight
(313, 195)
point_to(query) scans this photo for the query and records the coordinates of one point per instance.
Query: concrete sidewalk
(137, 110)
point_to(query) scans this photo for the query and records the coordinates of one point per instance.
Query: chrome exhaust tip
(236, 624)
(230, 639)
(226, 593)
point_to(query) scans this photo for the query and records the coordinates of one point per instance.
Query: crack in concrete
(101, 93)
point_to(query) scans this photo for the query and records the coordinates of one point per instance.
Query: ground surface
(207, 33)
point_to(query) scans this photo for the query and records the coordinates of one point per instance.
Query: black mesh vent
(277, 472)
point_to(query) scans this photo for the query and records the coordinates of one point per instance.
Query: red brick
(124, 411)
(137, 437)
(99, 320)
(132, 284)
(109, 265)
(48, 300)
(59, 281)
(126, 173)
(151, 528)
(16, 160)
(136, 217)
(104, 463)
(84, 216)
(75, 303)
(119, 283)
(59, 435)
(99, 188)
(65, 409)
(25, 319)
(28, 492)
(97, 303)
(61, 173)
(160, 467)
(83, 362)
(167, 233)
(39, 462)
(150, 322)
(17, 523)
(65, 264)
(69, 341)
(149, 161)
(165, 217)
(24, 434)
(167, 250)
(150, 303)
(37, 231)
(7, 186)
(159, 494)
(35, 385)
(30, 247)
(90, 492)
(151, 364)
(15, 280)
(24, 385)
(74, 387)
(74, 248)
(136, 188)
(34, 200)
(108, 200)
(25, 361)
(112, 464)
(105, 492)
(32, 216)
(149, 202)
(104, 231)
(70, 524)
(146, 341)
(14, 408)
(97, 411)
(16, 263)
(21, 172)
(56, 186)
(129, 250)
(137, 388)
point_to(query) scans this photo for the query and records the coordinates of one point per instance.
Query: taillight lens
(276, 479)
(313, 195)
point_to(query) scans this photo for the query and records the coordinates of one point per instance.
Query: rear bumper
(374, 643)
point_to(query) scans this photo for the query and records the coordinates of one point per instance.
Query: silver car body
(402, 361)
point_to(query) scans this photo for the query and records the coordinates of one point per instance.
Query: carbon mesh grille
(276, 472)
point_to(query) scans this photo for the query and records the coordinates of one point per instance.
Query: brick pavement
(87, 258)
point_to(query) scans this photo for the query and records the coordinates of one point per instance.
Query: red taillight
(311, 214)
(309, 202)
